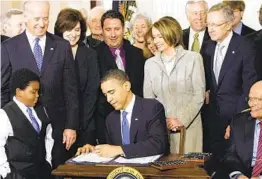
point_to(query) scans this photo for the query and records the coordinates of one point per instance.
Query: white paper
(91, 157)
(141, 160)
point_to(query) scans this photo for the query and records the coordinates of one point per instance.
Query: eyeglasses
(254, 100)
(215, 25)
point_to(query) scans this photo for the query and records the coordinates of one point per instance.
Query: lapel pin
(51, 48)
(136, 119)
(233, 52)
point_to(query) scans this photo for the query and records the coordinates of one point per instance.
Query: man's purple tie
(257, 169)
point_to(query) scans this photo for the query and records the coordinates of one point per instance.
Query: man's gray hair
(191, 2)
(139, 15)
(95, 11)
(6, 17)
(27, 3)
(226, 10)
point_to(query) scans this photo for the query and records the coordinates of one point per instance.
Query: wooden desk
(71, 170)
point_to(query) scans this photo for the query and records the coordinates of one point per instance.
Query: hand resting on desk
(104, 150)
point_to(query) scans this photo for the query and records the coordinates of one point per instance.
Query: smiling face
(255, 100)
(73, 35)
(117, 93)
(159, 41)
(94, 23)
(29, 95)
(37, 18)
(113, 32)
(151, 45)
(139, 29)
(15, 25)
(196, 15)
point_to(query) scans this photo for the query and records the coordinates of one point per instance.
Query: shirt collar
(21, 105)
(193, 32)
(227, 40)
(238, 28)
(31, 37)
(121, 48)
(130, 106)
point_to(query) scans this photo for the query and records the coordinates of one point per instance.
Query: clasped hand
(104, 150)
(173, 123)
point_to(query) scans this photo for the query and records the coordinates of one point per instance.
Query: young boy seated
(24, 131)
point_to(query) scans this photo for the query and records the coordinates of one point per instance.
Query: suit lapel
(24, 119)
(117, 128)
(249, 139)
(26, 53)
(49, 50)
(136, 114)
(186, 38)
(228, 60)
(212, 55)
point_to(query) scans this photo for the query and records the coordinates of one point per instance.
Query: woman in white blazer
(176, 78)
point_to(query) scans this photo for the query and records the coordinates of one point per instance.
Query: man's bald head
(255, 100)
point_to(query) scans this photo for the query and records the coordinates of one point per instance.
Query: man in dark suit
(243, 158)
(256, 38)
(113, 53)
(238, 7)
(232, 73)
(137, 126)
(196, 12)
(51, 58)
(193, 38)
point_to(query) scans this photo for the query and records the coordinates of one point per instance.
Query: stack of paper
(92, 158)
(141, 160)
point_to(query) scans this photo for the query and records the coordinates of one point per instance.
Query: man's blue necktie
(33, 119)
(38, 54)
(125, 129)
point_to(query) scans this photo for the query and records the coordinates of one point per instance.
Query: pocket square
(136, 119)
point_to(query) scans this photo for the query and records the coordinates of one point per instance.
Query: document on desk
(91, 158)
(141, 160)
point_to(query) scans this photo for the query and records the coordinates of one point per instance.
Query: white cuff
(4, 169)
(235, 174)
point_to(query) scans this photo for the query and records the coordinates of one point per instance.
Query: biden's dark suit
(58, 93)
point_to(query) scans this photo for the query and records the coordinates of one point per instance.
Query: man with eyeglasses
(232, 71)
(243, 158)
(238, 8)
(193, 38)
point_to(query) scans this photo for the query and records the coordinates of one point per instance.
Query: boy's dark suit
(58, 93)
(135, 71)
(25, 150)
(148, 132)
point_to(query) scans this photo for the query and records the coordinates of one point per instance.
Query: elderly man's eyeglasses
(215, 25)
(253, 100)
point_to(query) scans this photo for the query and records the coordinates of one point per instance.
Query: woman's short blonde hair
(170, 30)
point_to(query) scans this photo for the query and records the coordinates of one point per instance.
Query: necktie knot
(124, 114)
(117, 52)
(37, 40)
(29, 110)
(196, 35)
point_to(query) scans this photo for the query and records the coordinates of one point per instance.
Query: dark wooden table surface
(72, 170)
